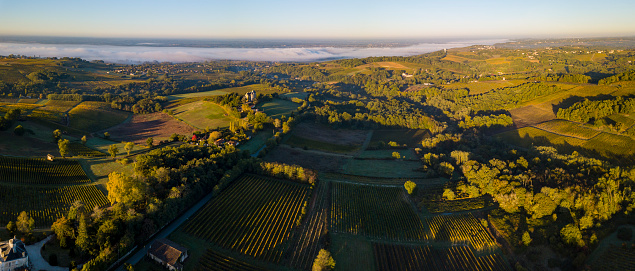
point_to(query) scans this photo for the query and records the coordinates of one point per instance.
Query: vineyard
(95, 116)
(616, 258)
(52, 116)
(254, 216)
(46, 204)
(568, 128)
(381, 180)
(449, 206)
(79, 149)
(213, 260)
(41, 171)
(314, 231)
(400, 257)
(378, 212)
(460, 229)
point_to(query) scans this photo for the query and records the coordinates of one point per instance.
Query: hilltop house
(13, 255)
(168, 253)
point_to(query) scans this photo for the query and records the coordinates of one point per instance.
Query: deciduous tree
(410, 187)
(63, 146)
(323, 261)
(128, 147)
(113, 150)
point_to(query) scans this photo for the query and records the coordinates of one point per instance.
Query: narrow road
(35, 257)
(135, 258)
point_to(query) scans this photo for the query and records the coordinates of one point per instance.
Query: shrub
(53, 259)
(625, 234)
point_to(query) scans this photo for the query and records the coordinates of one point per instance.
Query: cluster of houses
(202, 140)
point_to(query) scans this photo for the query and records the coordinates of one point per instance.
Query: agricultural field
(352, 253)
(254, 216)
(617, 148)
(52, 116)
(528, 137)
(203, 114)
(460, 229)
(409, 138)
(459, 205)
(257, 141)
(95, 116)
(617, 258)
(312, 236)
(322, 137)
(625, 121)
(530, 115)
(259, 88)
(568, 128)
(78, 149)
(28, 101)
(213, 260)
(159, 126)
(40, 171)
(59, 106)
(421, 182)
(25, 108)
(309, 144)
(476, 88)
(308, 159)
(11, 144)
(410, 257)
(291, 95)
(383, 168)
(375, 211)
(46, 204)
(276, 108)
(387, 154)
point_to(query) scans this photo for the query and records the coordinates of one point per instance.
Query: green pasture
(203, 114)
(276, 108)
(311, 144)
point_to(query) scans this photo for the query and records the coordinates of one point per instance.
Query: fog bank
(141, 54)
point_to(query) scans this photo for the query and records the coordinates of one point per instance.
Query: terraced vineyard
(46, 204)
(400, 257)
(41, 171)
(460, 229)
(254, 216)
(79, 149)
(213, 260)
(314, 231)
(377, 212)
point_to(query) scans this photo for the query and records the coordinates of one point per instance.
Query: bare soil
(530, 115)
(159, 126)
(307, 159)
(324, 133)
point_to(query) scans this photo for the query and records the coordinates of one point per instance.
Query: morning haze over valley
(317, 135)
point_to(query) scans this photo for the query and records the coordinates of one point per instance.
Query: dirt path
(369, 136)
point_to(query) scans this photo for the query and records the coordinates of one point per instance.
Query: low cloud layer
(140, 54)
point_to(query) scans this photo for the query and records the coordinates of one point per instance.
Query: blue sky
(318, 19)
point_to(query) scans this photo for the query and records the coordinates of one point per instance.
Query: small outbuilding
(168, 253)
